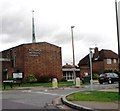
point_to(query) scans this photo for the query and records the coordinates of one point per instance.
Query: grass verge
(99, 96)
(60, 84)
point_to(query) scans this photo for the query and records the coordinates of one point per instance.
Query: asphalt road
(41, 98)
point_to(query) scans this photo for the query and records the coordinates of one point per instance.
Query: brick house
(40, 59)
(103, 60)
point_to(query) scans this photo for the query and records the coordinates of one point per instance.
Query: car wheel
(109, 81)
(100, 82)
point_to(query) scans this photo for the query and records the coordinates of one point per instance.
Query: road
(41, 97)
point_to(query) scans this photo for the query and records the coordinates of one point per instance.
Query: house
(103, 60)
(68, 73)
(40, 59)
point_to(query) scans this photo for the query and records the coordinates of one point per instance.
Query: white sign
(17, 75)
(34, 52)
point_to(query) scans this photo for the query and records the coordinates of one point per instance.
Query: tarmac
(80, 105)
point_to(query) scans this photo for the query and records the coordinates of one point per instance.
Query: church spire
(33, 28)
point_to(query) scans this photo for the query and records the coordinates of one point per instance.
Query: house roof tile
(99, 56)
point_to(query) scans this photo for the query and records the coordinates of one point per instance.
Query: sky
(94, 21)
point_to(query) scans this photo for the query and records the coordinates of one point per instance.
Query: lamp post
(117, 23)
(90, 57)
(73, 53)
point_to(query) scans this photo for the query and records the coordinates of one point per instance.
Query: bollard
(54, 83)
(77, 82)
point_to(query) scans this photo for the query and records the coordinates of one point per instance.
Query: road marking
(54, 94)
(26, 91)
(48, 93)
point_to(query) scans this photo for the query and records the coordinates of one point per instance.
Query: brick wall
(37, 58)
(113, 66)
(98, 67)
(83, 70)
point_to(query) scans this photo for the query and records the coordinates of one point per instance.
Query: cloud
(93, 24)
(15, 26)
(62, 38)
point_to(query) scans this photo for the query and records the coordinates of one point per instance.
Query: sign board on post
(17, 75)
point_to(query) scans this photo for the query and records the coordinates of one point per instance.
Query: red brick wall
(101, 66)
(47, 62)
(39, 59)
(84, 69)
(113, 66)
(19, 60)
(98, 67)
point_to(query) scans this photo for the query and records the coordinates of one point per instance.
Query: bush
(107, 71)
(63, 80)
(43, 79)
(10, 78)
(31, 79)
(95, 76)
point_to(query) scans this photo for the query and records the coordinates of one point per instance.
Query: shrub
(10, 78)
(95, 76)
(43, 78)
(31, 79)
(107, 71)
(63, 80)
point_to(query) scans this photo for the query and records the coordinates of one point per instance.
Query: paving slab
(98, 105)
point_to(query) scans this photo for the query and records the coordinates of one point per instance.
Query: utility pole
(73, 45)
(73, 53)
(117, 23)
(33, 28)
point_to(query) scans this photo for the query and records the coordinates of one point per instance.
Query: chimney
(96, 50)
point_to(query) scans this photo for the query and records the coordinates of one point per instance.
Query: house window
(109, 61)
(68, 75)
(114, 61)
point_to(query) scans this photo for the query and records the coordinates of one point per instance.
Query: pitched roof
(40, 43)
(99, 56)
(84, 61)
(108, 54)
(69, 66)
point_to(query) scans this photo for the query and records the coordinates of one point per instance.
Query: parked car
(108, 77)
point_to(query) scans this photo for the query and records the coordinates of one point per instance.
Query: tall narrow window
(109, 61)
(114, 61)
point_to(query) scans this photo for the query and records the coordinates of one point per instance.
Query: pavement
(93, 106)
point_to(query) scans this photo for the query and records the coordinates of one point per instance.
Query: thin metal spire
(33, 28)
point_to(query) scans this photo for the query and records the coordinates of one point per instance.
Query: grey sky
(94, 22)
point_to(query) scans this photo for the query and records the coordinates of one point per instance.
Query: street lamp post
(117, 23)
(73, 53)
(90, 57)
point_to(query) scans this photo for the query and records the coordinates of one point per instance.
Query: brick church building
(40, 59)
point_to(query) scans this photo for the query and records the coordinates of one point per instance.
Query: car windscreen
(102, 75)
(115, 75)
